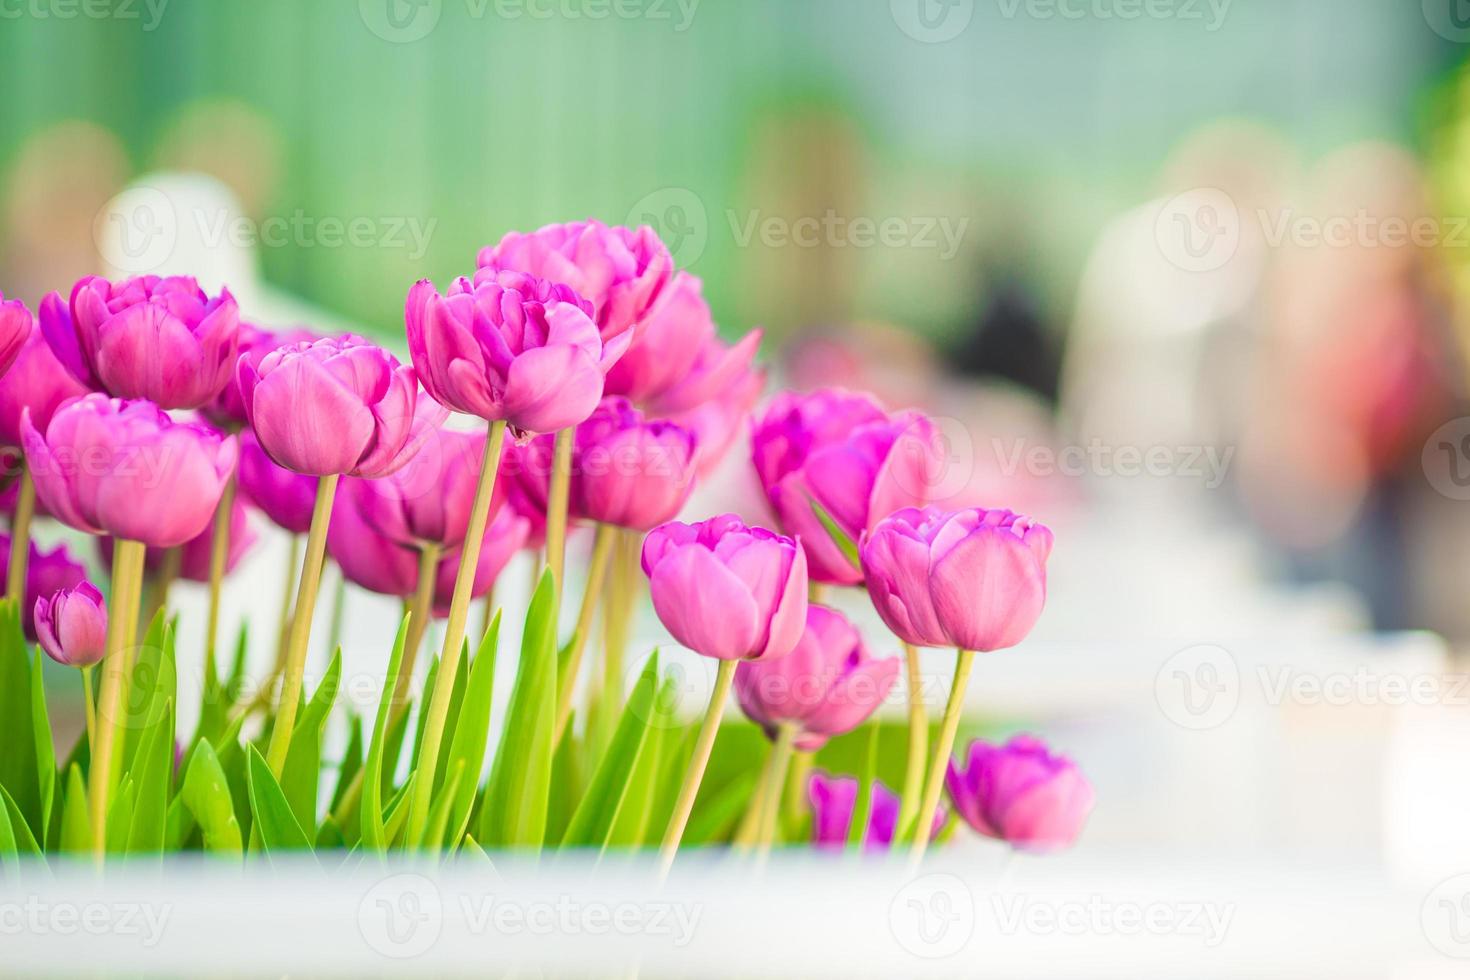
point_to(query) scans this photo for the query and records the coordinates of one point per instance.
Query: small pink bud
(71, 625)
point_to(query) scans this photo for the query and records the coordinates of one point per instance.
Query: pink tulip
(674, 333)
(108, 466)
(1021, 793)
(725, 590)
(196, 553)
(36, 380)
(46, 572)
(428, 500)
(621, 271)
(162, 339)
(15, 327)
(625, 470)
(338, 405)
(827, 685)
(283, 495)
(973, 579)
(716, 423)
(843, 451)
(71, 625)
(833, 799)
(227, 410)
(508, 346)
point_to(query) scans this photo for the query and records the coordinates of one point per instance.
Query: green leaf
(154, 683)
(593, 820)
(351, 763)
(516, 799)
(438, 821)
(395, 814)
(152, 773)
(472, 734)
(279, 830)
(715, 817)
(302, 774)
(374, 831)
(839, 537)
(76, 821)
(45, 748)
(206, 793)
(25, 841)
(120, 816)
(451, 717)
(391, 763)
(18, 751)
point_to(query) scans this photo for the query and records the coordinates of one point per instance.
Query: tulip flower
(162, 339)
(283, 495)
(227, 409)
(621, 271)
(827, 685)
(71, 625)
(108, 466)
(841, 451)
(15, 327)
(46, 572)
(510, 347)
(674, 333)
(338, 405)
(195, 554)
(973, 579)
(833, 799)
(1021, 793)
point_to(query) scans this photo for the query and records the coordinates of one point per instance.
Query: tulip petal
(61, 334)
(988, 590)
(704, 605)
(328, 427)
(551, 388)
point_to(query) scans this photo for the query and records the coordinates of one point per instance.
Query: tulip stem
(89, 707)
(219, 553)
(939, 765)
(913, 776)
(127, 576)
(163, 582)
(418, 623)
(296, 644)
(454, 629)
(556, 506)
(704, 743)
(339, 611)
(601, 550)
(771, 804)
(20, 538)
(801, 770)
(288, 589)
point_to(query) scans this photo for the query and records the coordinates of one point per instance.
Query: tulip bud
(833, 799)
(71, 625)
(1021, 793)
(725, 590)
(973, 579)
(827, 685)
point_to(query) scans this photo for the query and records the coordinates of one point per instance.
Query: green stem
(339, 611)
(556, 506)
(219, 554)
(296, 644)
(127, 576)
(748, 831)
(601, 549)
(934, 784)
(913, 776)
(704, 743)
(771, 805)
(418, 623)
(20, 537)
(459, 610)
(89, 706)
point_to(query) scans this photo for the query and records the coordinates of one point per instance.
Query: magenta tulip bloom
(843, 451)
(620, 271)
(827, 685)
(195, 554)
(428, 500)
(725, 590)
(626, 470)
(108, 466)
(46, 572)
(717, 422)
(508, 346)
(833, 799)
(338, 405)
(1021, 793)
(283, 495)
(71, 625)
(973, 579)
(36, 381)
(227, 409)
(162, 339)
(15, 327)
(674, 333)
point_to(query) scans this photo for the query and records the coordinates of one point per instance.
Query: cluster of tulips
(135, 411)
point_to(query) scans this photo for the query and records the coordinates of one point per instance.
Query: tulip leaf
(438, 821)
(374, 836)
(715, 817)
(120, 816)
(206, 793)
(153, 682)
(8, 852)
(152, 773)
(25, 841)
(351, 764)
(45, 748)
(18, 749)
(395, 814)
(840, 538)
(862, 805)
(593, 820)
(302, 774)
(472, 733)
(430, 680)
(517, 796)
(279, 829)
(76, 821)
